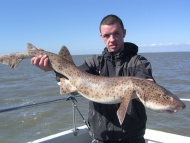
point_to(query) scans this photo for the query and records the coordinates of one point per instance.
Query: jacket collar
(129, 49)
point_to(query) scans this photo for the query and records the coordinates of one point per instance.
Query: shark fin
(33, 51)
(66, 87)
(123, 108)
(31, 47)
(64, 52)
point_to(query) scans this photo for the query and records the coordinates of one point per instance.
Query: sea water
(27, 84)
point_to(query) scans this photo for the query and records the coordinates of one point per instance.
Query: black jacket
(102, 117)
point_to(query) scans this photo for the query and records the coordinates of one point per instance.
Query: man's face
(112, 36)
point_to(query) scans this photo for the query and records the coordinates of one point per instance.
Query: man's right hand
(42, 62)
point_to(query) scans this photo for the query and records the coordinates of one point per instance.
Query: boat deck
(82, 136)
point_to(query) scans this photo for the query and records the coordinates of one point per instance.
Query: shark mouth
(170, 111)
(165, 109)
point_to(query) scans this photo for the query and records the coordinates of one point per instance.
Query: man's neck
(116, 52)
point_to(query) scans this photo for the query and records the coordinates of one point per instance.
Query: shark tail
(11, 60)
(14, 59)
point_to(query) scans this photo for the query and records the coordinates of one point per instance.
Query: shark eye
(166, 97)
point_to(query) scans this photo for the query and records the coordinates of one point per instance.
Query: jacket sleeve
(91, 65)
(143, 68)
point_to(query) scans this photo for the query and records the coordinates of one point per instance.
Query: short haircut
(111, 19)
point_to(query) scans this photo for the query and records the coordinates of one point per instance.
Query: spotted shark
(105, 90)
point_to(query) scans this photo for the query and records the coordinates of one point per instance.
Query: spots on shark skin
(107, 94)
(86, 92)
(113, 92)
(60, 68)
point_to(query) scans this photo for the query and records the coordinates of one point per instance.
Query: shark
(101, 89)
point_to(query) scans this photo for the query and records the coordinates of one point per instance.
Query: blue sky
(154, 25)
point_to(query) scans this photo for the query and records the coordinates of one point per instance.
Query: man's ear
(124, 33)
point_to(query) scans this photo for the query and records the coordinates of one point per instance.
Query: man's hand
(42, 62)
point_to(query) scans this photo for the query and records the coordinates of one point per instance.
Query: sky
(153, 25)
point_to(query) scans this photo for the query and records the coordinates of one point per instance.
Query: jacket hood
(129, 49)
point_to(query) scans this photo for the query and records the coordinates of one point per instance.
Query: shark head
(161, 100)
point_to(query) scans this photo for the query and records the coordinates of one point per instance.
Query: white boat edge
(68, 136)
(82, 136)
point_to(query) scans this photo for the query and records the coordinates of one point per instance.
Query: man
(119, 58)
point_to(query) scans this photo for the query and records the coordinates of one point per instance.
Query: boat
(81, 135)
